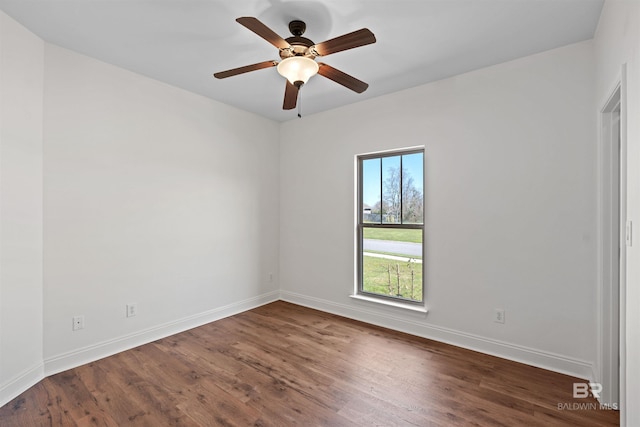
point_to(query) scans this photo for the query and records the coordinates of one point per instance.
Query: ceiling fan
(298, 57)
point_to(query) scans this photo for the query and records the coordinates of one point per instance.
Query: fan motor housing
(299, 45)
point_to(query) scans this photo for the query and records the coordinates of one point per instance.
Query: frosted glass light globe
(298, 69)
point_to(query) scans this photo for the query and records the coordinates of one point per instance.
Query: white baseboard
(530, 356)
(63, 362)
(21, 383)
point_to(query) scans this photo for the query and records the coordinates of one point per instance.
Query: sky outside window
(371, 189)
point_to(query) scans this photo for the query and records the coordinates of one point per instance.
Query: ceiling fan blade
(290, 96)
(245, 69)
(263, 31)
(342, 78)
(348, 41)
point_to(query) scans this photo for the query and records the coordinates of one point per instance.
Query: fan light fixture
(298, 69)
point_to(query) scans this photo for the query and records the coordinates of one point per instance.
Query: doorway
(614, 240)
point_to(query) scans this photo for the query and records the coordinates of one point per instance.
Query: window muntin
(390, 225)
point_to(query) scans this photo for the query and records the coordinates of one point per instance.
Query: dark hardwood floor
(282, 364)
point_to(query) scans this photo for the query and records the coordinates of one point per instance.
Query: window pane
(391, 190)
(412, 193)
(371, 190)
(392, 262)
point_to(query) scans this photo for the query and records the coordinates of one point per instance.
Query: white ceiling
(183, 42)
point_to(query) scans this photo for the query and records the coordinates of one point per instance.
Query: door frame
(613, 230)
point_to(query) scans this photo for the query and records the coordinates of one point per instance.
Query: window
(390, 225)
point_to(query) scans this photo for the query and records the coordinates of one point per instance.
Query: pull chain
(299, 104)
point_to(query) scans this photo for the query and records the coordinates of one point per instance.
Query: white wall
(155, 196)
(21, 76)
(152, 195)
(617, 43)
(510, 207)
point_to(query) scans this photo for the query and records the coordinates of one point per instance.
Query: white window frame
(360, 225)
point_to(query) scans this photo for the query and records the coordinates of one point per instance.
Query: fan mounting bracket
(297, 27)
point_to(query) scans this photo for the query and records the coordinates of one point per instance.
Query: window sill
(397, 304)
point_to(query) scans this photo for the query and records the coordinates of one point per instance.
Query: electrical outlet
(77, 323)
(132, 309)
(498, 315)
(270, 277)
